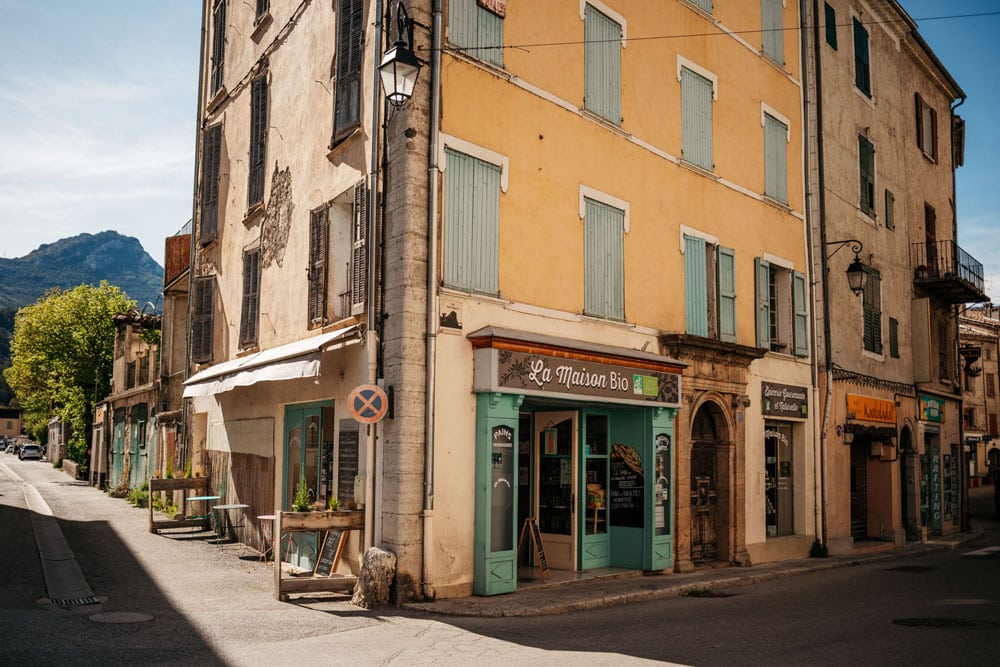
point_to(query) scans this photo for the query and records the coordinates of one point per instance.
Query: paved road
(213, 604)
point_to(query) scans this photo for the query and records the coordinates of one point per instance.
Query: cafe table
(202, 499)
(224, 522)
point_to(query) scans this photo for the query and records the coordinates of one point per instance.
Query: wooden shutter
(726, 270)
(866, 168)
(318, 248)
(893, 337)
(471, 223)
(602, 66)
(350, 47)
(772, 37)
(762, 272)
(775, 159)
(359, 250)
(831, 26)
(695, 286)
(890, 210)
(872, 305)
(211, 154)
(258, 140)
(862, 72)
(696, 119)
(800, 315)
(604, 276)
(251, 298)
(934, 134)
(918, 106)
(703, 4)
(992, 418)
(475, 29)
(218, 44)
(202, 319)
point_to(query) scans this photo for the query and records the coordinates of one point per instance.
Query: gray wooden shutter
(218, 44)
(359, 251)
(775, 159)
(604, 275)
(251, 297)
(696, 119)
(703, 4)
(258, 140)
(866, 168)
(472, 223)
(872, 306)
(763, 306)
(862, 74)
(476, 30)
(318, 241)
(800, 315)
(695, 286)
(602, 66)
(350, 46)
(726, 270)
(211, 152)
(772, 38)
(202, 319)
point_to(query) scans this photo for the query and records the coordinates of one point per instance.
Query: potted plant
(301, 501)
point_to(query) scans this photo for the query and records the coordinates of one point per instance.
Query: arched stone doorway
(710, 472)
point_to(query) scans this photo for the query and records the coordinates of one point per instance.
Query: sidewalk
(627, 587)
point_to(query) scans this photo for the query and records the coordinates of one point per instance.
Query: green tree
(61, 359)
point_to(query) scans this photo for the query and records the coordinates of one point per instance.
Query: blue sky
(97, 118)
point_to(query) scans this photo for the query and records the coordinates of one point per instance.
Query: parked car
(10, 448)
(30, 451)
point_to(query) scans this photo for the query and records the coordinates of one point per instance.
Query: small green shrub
(139, 496)
(334, 504)
(301, 503)
(187, 470)
(169, 472)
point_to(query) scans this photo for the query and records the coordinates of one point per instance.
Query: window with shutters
(704, 5)
(218, 45)
(831, 25)
(890, 210)
(211, 155)
(862, 59)
(263, 6)
(250, 311)
(893, 337)
(476, 27)
(471, 222)
(319, 233)
(143, 364)
(202, 315)
(603, 260)
(991, 384)
(866, 171)
(359, 249)
(350, 49)
(697, 93)
(927, 133)
(130, 375)
(602, 65)
(782, 309)
(258, 140)
(969, 418)
(772, 35)
(871, 304)
(776, 138)
(993, 424)
(709, 288)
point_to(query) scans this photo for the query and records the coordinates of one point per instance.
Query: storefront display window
(502, 473)
(778, 479)
(596, 454)
(661, 508)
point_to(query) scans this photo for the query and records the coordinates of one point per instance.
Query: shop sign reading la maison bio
(543, 374)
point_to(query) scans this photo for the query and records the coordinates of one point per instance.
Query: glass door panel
(555, 438)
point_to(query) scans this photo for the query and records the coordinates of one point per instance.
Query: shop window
(772, 37)
(596, 456)
(862, 59)
(602, 65)
(476, 28)
(782, 309)
(778, 480)
(471, 223)
(775, 159)
(697, 92)
(604, 270)
(709, 289)
(871, 304)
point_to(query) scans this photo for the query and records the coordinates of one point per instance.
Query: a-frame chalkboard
(530, 530)
(329, 553)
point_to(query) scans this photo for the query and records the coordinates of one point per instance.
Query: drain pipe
(433, 195)
(963, 468)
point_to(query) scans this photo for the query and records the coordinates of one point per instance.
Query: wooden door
(704, 505)
(556, 486)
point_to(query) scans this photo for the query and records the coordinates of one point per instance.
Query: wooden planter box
(313, 521)
(353, 520)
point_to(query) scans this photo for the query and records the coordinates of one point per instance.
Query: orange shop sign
(870, 409)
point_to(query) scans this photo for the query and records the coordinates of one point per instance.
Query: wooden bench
(197, 484)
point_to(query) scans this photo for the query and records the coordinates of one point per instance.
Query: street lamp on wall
(400, 67)
(857, 277)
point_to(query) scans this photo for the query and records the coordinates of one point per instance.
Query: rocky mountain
(87, 258)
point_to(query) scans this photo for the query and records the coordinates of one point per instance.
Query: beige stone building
(979, 347)
(884, 143)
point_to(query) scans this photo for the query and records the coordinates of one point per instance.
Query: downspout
(374, 333)
(963, 471)
(185, 403)
(824, 271)
(427, 588)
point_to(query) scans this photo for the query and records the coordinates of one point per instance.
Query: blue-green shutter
(831, 25)
(726, 270)
(800, 315)
(695, 286)
(862, 63)
(763, 274)
(696, 119)
(703, 4)
(471, 223)
(475, 30)
(866, 170)
(604, 273)
(775, 159)
(772, 38)
(872, 308)
(602, 66)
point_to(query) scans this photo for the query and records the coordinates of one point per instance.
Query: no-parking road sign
(368, 403)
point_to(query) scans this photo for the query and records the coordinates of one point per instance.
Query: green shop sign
(931, 409)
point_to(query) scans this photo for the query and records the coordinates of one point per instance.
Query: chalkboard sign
(530, 531)
(626, 491)
(347, 460)
(329, 553)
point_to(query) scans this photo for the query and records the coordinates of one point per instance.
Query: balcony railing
(945, 270)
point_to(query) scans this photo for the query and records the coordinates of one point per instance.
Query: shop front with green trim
(574, 458)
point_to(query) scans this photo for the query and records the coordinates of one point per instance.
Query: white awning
(292, 361)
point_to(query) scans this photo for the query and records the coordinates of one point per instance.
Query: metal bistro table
(205, 499)
(224, 524)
